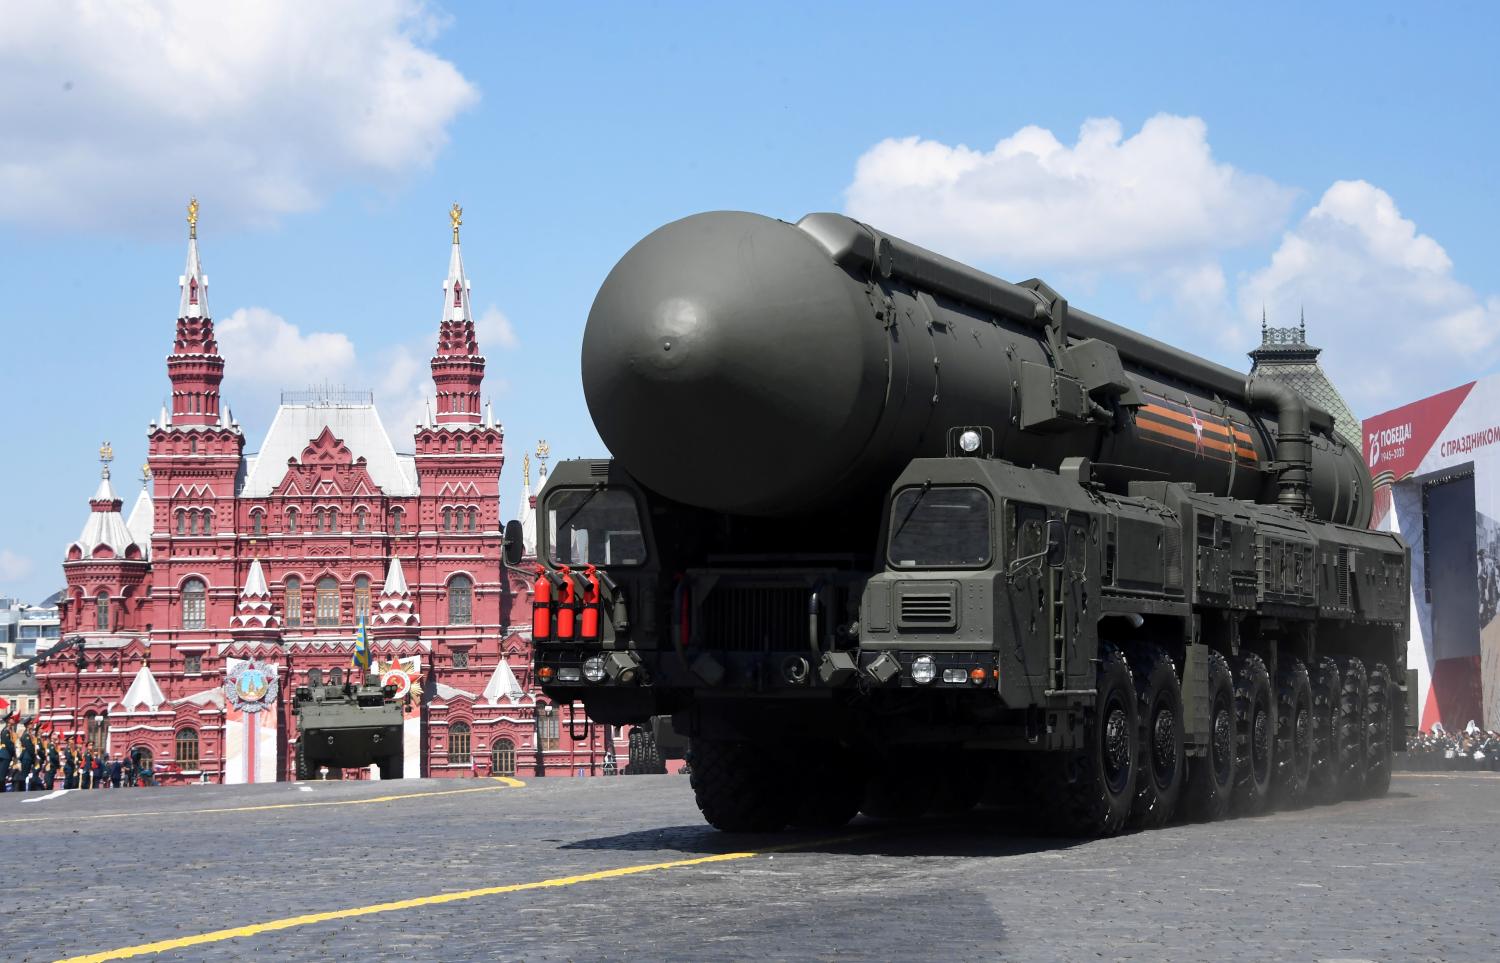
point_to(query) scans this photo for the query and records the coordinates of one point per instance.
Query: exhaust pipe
(1293, 444)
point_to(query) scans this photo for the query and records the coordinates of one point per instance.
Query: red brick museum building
(236, 564)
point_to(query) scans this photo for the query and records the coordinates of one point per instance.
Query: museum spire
(195, 367)
(457, 367)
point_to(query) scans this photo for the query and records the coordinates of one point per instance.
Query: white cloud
(114, 112)
(261, 347)
(494, 330)
(1381, 299)
(12, 566)
(1155, 200)
(265, 354)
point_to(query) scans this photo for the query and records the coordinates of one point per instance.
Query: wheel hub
(1223, 743)
(1117, 745)
(1260, 743)
(1163, 746)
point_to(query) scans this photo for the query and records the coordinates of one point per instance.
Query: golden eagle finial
(456, 215)
(193, 218)
(106, 455)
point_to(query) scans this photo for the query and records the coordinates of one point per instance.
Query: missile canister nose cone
(729, 363)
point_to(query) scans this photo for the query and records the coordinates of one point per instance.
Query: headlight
(969, 441)
(923, 669)
(567, 674)
(593, 668)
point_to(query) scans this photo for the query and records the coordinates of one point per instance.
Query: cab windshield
(594, 526)
(940, 527)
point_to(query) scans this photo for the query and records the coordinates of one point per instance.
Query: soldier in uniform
(54, 761)
(25, 761)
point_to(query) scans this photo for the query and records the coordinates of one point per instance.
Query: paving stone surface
(1413, 876)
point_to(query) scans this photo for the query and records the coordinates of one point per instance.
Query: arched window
(447, 519)
(458, 743)
(396, 514)
(208, 523)
(459, 445)
(293, 601)
(291, 519)
(361, 520)
(193, 522)
(187, 748)
(101, 611)
(551, 728)
(503, 758)
(193, 443)
(361, 598)
(333, 520)
(143, 759)
(473, 518)
(181, 522)
(328, 601)
(194, 604)
(257, 522)
(460, 600)
(96, 728)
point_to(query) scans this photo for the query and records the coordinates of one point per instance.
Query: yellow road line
(182, 942)
(505, 781)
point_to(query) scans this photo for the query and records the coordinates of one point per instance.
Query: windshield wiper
(926, 485)
(574, 513)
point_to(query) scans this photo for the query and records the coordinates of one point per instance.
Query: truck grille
(927, 610)
(754, 619)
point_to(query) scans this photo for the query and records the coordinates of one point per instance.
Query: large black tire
(1210, 784)
(1162, 767)
(1323, 785)
(1255, 736)
(1353, 736)
(738, 787)
(1378, 701)
(1090, 791)
(961, 784)
(829, 790)
(305, 770)
(1295, 732)
(896, 793)
(392, 766)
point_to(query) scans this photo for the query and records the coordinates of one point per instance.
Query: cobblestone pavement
(1413, 876)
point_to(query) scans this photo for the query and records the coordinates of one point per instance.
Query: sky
(1173, 167)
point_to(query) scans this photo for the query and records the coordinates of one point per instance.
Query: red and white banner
(1436, 465)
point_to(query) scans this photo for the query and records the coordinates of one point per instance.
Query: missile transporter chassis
(347, 726)
(1073, 571)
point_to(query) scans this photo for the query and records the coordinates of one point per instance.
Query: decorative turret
(458, 367)
(105, 534)
(254, 615)
(143, 513)
(394, 610)
(195, 367)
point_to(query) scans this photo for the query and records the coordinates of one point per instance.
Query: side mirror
(1054, 542)
(515, 543)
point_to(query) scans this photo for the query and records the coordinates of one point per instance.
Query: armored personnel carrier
(883, 532)
(342, 725)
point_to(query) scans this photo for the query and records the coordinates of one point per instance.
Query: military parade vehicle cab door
(1053, 589)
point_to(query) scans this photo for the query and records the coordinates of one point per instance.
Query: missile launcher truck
(882, 533)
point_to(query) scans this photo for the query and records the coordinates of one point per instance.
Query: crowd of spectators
(1473, 749)
(32, 760)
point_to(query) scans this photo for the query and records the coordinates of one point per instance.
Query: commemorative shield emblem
(251, 686)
